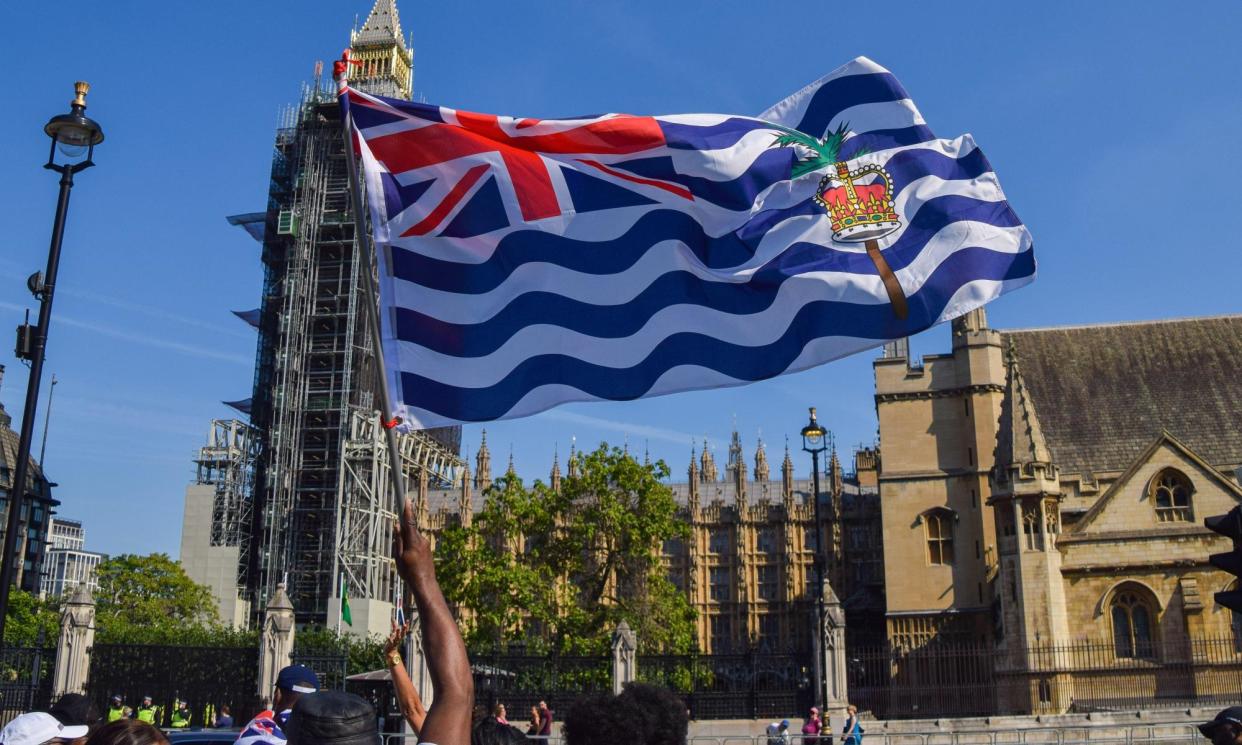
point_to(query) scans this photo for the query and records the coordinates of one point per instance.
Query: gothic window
(1133, 631)
(718, 541)
(1030, 526)
(722, 634)
(674, 547)
(939, 526)
(1170, 492)
(720, 583)
(767, 540)
(769, 630)
(810, 539)
(767, 583)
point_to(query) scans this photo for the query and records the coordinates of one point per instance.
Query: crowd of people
(302, 714)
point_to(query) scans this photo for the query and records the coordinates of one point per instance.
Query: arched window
(1133, 625)
(939, 526)
(1170, 492)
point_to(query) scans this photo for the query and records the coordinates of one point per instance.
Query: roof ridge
(1076, 326)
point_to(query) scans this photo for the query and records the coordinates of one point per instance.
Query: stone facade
(1046, 488)
(748, 565)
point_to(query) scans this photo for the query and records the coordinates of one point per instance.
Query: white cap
(37, 728)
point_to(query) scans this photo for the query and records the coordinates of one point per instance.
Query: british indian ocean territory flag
(525, 263)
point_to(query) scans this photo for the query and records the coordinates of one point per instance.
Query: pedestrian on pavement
(853, 730)
(499, 712)
(545, 720)
(778, 733)
(37, 728)
(533, 729)
(127, 732)
(117, 709)
(811, 728)
(224, 720)
(1226, 728)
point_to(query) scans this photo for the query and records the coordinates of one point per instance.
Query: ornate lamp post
(813, 442)
(74, 137)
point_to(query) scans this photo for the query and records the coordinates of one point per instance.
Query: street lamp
(74, 135)
(813, 442)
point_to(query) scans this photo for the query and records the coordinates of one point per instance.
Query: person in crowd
(853, 731)
(408, 700)
(488, 730)
(642, 715)
(116, 709)
(37, 728)
(778, 733)
(76, 710)
(1226, 728)
(127, 732)
(533, 729)
(146, 711)
(224, 719)
(545, 719)
(448, 720)
(498, 711)
(268, 727)
(332, 718)
(180, 715)
(811, 728)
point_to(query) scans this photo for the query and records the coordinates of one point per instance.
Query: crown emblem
(859, 211)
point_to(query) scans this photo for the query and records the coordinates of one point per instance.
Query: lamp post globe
(72, 134)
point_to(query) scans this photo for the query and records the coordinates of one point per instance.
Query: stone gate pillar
(73, 647)
(624, 657)
(832, 636)
(276, 640)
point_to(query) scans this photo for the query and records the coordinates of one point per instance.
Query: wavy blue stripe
(769, 167)
(729, 250)
(710, 137)
(884, 139)
(605, 321)
(839, 94)
(813, 321)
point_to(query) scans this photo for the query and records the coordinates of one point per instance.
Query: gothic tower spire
(387, 67)
(707, 464)
(483, 466)
(787, 473)
(554, 479)
(762, 473)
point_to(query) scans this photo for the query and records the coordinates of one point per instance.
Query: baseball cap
(332, 718)
(1233, 715)
(38, 727)
(297, 678)
(74, 709)
(785, 723)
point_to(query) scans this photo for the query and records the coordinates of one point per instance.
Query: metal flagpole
(340, 610)
(366, 249)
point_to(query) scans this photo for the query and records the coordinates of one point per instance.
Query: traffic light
(1230, 526)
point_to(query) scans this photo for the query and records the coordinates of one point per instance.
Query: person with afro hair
(642, 715)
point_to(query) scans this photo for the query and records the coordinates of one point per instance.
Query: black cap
(74, 709)
(1232, 715)
(332, 718)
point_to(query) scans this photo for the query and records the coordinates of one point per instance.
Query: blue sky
(1113, 127)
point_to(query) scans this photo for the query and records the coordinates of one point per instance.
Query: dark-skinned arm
(407, 696)
(448, 718)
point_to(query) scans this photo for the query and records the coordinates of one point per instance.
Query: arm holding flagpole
(447, 721)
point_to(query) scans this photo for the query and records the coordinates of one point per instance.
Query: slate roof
(1104, 393)
(382, 26)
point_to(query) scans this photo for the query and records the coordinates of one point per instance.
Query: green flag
(346, 616)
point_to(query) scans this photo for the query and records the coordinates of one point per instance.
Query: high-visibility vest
(180, 718)
(115, 713)
(146, 714)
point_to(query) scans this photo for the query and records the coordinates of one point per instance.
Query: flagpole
(340, 609)
(362, 239)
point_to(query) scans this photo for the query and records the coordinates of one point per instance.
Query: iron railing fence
(959, 679)
(742, 686)
(520, 678)
(203, 677)
(25, 679)
(331, 669)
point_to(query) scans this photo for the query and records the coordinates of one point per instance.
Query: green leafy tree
(150, 599)
(27, 616)
(563, 568)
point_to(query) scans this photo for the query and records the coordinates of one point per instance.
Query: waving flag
(525, 263)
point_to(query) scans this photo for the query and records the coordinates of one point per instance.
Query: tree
(150, 599)
(562, 568)
(27, 615)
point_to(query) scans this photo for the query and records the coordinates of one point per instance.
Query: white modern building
(68, 563)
